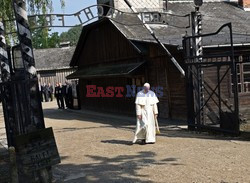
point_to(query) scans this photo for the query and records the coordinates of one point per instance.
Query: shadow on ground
(169, 128)
(122, 168)
(118, 142)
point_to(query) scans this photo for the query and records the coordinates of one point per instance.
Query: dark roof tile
(215, 14)
(53, 58)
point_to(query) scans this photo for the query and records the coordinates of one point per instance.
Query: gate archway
(212, 88)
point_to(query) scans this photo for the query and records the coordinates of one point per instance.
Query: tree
(72, 35)
(33, 6)
(54, 40)
(41, 37)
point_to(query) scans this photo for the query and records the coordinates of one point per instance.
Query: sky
(71, 6)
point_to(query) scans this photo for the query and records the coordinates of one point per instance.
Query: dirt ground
(96, 147)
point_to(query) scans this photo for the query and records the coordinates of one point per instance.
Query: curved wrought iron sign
(93, 12)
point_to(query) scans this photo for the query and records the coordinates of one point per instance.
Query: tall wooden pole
(31, 104)
(30, 101)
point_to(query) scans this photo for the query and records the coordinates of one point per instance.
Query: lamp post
(17, 58)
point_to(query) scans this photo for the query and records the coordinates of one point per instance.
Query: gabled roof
(215, 14)
(84, 35)
(53, 58)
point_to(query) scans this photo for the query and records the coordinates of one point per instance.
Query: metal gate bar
(200, 110)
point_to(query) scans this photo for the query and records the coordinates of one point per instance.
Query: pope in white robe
(146, 112)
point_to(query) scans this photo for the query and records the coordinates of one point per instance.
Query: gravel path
(96, 147)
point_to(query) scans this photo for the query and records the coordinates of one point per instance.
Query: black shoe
(143, 142)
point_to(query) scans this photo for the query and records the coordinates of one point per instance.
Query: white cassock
(146, 106)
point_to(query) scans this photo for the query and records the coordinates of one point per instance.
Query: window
(243, 77)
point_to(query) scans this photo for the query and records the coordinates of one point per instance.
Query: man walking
(146, 111)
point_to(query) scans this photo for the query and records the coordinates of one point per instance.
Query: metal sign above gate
(99, 11)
